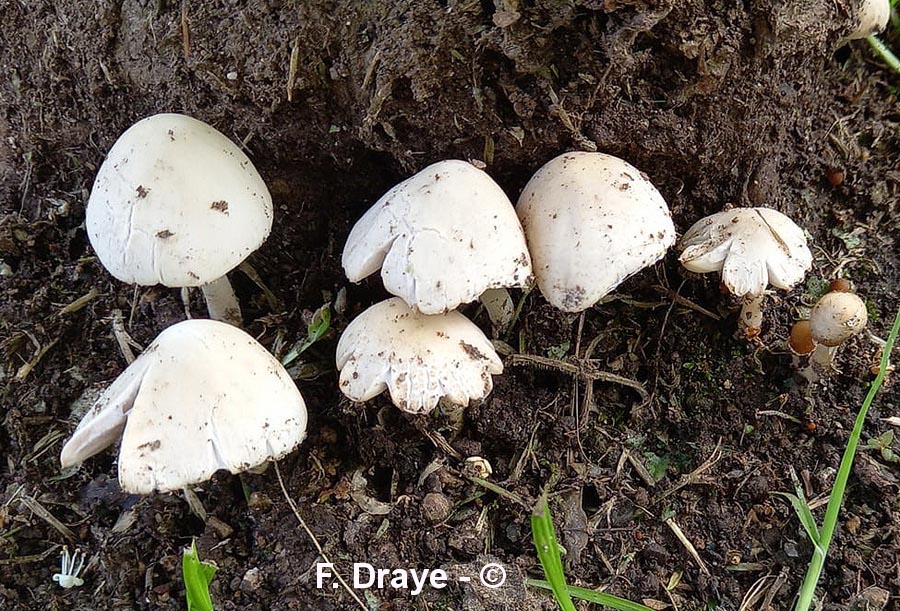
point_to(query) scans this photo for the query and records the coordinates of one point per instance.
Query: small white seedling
(179, 204)
(441, 238)
(592, 220)
(68, 576)
(752, 248)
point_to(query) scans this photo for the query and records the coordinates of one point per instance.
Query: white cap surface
(203, 396)
(592, 220)
(752, 247)
(872, 17)
(176, 203)
(419, 359)
(441, 238)
(837, 317)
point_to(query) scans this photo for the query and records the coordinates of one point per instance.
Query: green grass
(551, 561)
(821, 537)
(315, 330)
(197, 577)
(880, 47)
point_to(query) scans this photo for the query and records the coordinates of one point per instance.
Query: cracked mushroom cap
(419, 359)
(751, 247)
(203, 396)
(176, 203)
(441, 238)
(591, 220)
(872, 17)
(837, 317)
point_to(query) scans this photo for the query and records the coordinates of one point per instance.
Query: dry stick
(315, 541)
(687, 545)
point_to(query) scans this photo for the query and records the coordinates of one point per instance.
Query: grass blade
(551, 561)
(608, 600)
(197, 577)
(548, 553)
(806, 517)
(817, 563)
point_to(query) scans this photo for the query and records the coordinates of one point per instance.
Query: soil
(720, 103)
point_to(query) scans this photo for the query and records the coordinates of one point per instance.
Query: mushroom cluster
(449, 234)
(441, 238)
(177, 203)
(837, 316)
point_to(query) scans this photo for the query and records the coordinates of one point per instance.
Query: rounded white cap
(752, 247)
(591, 220)
(176, 203)
(419, 359)
(837, 317)
(203, 396)
(872, 17)
(441, 238)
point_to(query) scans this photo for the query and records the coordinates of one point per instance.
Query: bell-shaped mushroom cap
(419, 359)
(203, 396)
(591, 220)
(441, 238)
(872, 17)
(176, 203)
(837, 317)
(752, 247)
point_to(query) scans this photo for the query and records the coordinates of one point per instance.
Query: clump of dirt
(335, 101)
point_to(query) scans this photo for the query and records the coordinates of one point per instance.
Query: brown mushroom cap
(801, 341)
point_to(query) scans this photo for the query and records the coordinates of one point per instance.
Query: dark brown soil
(719, 102)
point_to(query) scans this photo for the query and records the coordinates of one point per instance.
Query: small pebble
(232, 76)
(436, 507)
(252, 580)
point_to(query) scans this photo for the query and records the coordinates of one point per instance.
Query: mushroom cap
(801, 341)
(203, 396)
(872, 17)
(591, 220)
(441, 238)
(176, 203)
(752, 247)
(837, 317)
(419, 359)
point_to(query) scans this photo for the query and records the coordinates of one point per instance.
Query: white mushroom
(179, 204)
(419, 359)
(441, 238)
(752, 248)
(872, 17)
(591, 220)
(836, 317)
(203, 396)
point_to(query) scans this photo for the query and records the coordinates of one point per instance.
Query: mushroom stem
(221, 301)
(822, 358)
(751, 312)
(500, 308)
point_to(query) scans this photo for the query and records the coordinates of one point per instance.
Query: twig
(185, 30)
(694, 476)
(80, 302)
(122, 338)
(42, 512)
(687, 545)
(315, 541)
(684, 301)
(512, 496)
